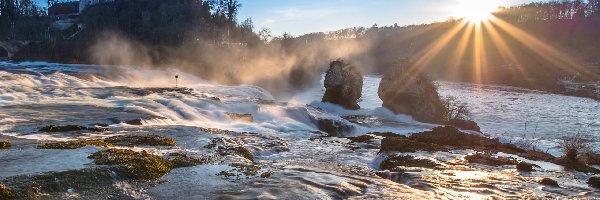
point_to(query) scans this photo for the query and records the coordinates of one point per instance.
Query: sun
(476, 11)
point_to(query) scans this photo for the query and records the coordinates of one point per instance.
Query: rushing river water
(282, 136)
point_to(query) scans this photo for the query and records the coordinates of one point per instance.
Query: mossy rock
(5, 192)
(488, 159)
(404, 145)
(242, 170)
(182, 160)
(391, 163)
(266, 174)
(140, 165)
(230, 146)
(240, 117)
(98, 181)
(141, 140)
(75, 144)
(5, 144)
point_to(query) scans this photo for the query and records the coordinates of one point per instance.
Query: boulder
(549, 182)
(525, 167)
(5, 144)
(594, 181)
(395, 162)
(334, 128)
(488, 159)
(343, 85)
(403, 91)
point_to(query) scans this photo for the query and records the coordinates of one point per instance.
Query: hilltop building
(83, 4)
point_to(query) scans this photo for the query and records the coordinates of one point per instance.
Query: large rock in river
(343, 85)
(404, 91)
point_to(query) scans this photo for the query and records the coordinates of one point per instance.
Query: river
(282, 136)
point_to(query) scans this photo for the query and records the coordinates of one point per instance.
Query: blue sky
(306, 16)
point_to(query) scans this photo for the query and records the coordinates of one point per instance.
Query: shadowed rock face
(343, 85)
(408, 93)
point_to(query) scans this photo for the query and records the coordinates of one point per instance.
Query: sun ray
(462, 46)
(505, 52)
(544, 50)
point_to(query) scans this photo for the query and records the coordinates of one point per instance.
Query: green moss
(138, 165)
(244, 152)
(488, 159)
(391, 163)
(5, 192)
(5, 144)
(182, 160)
(137, 140)
(75, 144)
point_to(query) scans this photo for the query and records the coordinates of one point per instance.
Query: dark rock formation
(404, 145)
(393, 162)
(5, 144)
(594, 181)
(334, 128)
(464, 124)
(525, 167)
(68, 128)
(123, 140)
(549, 182)
(403, 91)
(343, 85)
(141, 166)
(490, 160)
(450, 136)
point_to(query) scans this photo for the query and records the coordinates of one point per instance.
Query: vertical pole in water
(176, 77)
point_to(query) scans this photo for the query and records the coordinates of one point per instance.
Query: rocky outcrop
(403, 91)
(464, 124)
(525, 167)
(549, 182)
(5, 144)
(594, 181)
(401, 144)
(343, 85)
